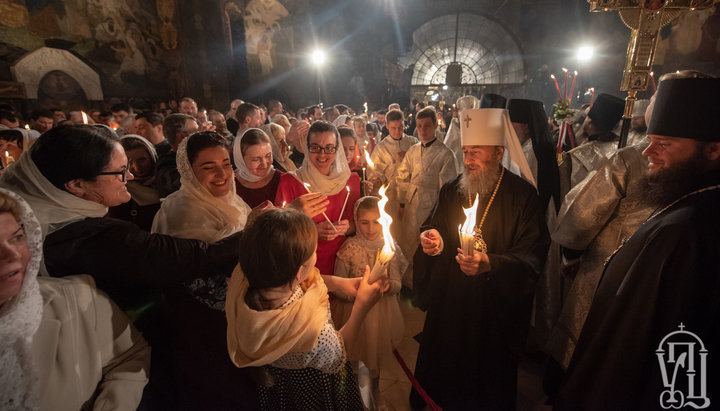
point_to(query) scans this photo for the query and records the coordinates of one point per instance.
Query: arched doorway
(462, 53)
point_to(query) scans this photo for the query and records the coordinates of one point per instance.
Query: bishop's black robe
(476, 326)
(666, 274)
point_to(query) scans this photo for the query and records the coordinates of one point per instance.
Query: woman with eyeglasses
(70, 177)
(324, 170)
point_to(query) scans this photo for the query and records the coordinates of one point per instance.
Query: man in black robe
(663, 284)
(478, 307)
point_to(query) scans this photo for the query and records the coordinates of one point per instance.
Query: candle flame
(284, 203)
(7, 154)
(27, 126)
(385, 221)
(307, 187)
(365, 107)
(652, 73)
(552, 76)
(564, 69)
(468, 227)
(84, 117)
(368, 160)
(576, 72)
(347, 188)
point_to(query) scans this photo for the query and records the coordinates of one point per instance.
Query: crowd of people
(262, 253)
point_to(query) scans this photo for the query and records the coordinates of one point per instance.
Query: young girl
(383, 328)
(279, 317)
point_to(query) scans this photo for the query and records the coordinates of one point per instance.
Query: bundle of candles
(383, 257)
(467, 229)
(562, 111)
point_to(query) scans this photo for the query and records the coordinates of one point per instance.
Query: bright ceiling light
(318, 57)
(585, 53)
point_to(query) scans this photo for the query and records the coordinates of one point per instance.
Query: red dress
(290, 188)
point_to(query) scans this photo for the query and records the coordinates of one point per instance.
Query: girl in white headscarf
(205, 207)
(256, 177)
(324, 170)
(383, 327)
(55, 351)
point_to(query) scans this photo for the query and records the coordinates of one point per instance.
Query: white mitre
(492, 127)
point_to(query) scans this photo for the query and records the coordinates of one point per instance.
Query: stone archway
(33, 67)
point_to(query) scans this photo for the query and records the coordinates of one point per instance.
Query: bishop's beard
(662, 187)
(482, 183)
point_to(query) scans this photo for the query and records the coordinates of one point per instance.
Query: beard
(660, 188)
(482, 183)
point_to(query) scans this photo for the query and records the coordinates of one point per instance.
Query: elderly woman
(280, 148)
(256, 177)
(65, 345)
(281, 120)
(144, 198)
(324, 170)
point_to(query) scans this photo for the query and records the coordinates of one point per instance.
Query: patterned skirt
(309, 389)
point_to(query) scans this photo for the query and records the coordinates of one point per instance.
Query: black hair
(12, 135)
(36, 114)
(8, 115)
(154, 118)
(120, 107)
(275, 245)
(68, 152)
(322, 126)
(7, 107)
(202, 140)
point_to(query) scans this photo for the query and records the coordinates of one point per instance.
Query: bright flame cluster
(468, 227)
(385, 221)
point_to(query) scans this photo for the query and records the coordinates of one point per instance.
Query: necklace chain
(492, 197)
(715, 187)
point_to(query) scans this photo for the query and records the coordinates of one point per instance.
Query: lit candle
(566, 80)
(557, 86)
(365, 107)
(345, 203)
(388, 250)
(307, 187)
(592, 95)
(572, 88)
(84, 117)
(467, 229)
(27, 126)
(284, 204)
(652, 78)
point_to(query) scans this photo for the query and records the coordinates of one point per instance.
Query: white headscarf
(53, 207)
(19, 321)
(319, 183)
(142, 189)
(242, 169)
(193, 212)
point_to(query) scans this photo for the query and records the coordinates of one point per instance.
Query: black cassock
(666, 274)
(476, 326)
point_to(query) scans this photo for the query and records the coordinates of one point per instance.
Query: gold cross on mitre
(467, 121)
(645, 18)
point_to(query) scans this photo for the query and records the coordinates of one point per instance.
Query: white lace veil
(19, 321)
(193, 212)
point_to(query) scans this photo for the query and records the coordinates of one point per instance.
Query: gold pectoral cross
(645, 18)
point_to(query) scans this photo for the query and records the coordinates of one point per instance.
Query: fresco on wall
(268, 39)
(124, 40)
(692, 41)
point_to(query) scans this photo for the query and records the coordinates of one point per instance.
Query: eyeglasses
(329, 149)
(122, 173)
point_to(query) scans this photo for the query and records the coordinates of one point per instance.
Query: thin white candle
(344, 204)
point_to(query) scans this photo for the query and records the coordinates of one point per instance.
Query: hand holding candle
(467, 229)
(307, 187)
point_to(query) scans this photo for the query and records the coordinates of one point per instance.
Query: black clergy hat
(521, 109)
(606, 111)
(687, 107)
(490, 100)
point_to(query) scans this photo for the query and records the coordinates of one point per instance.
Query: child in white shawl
(383, 328)
(205, 207)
